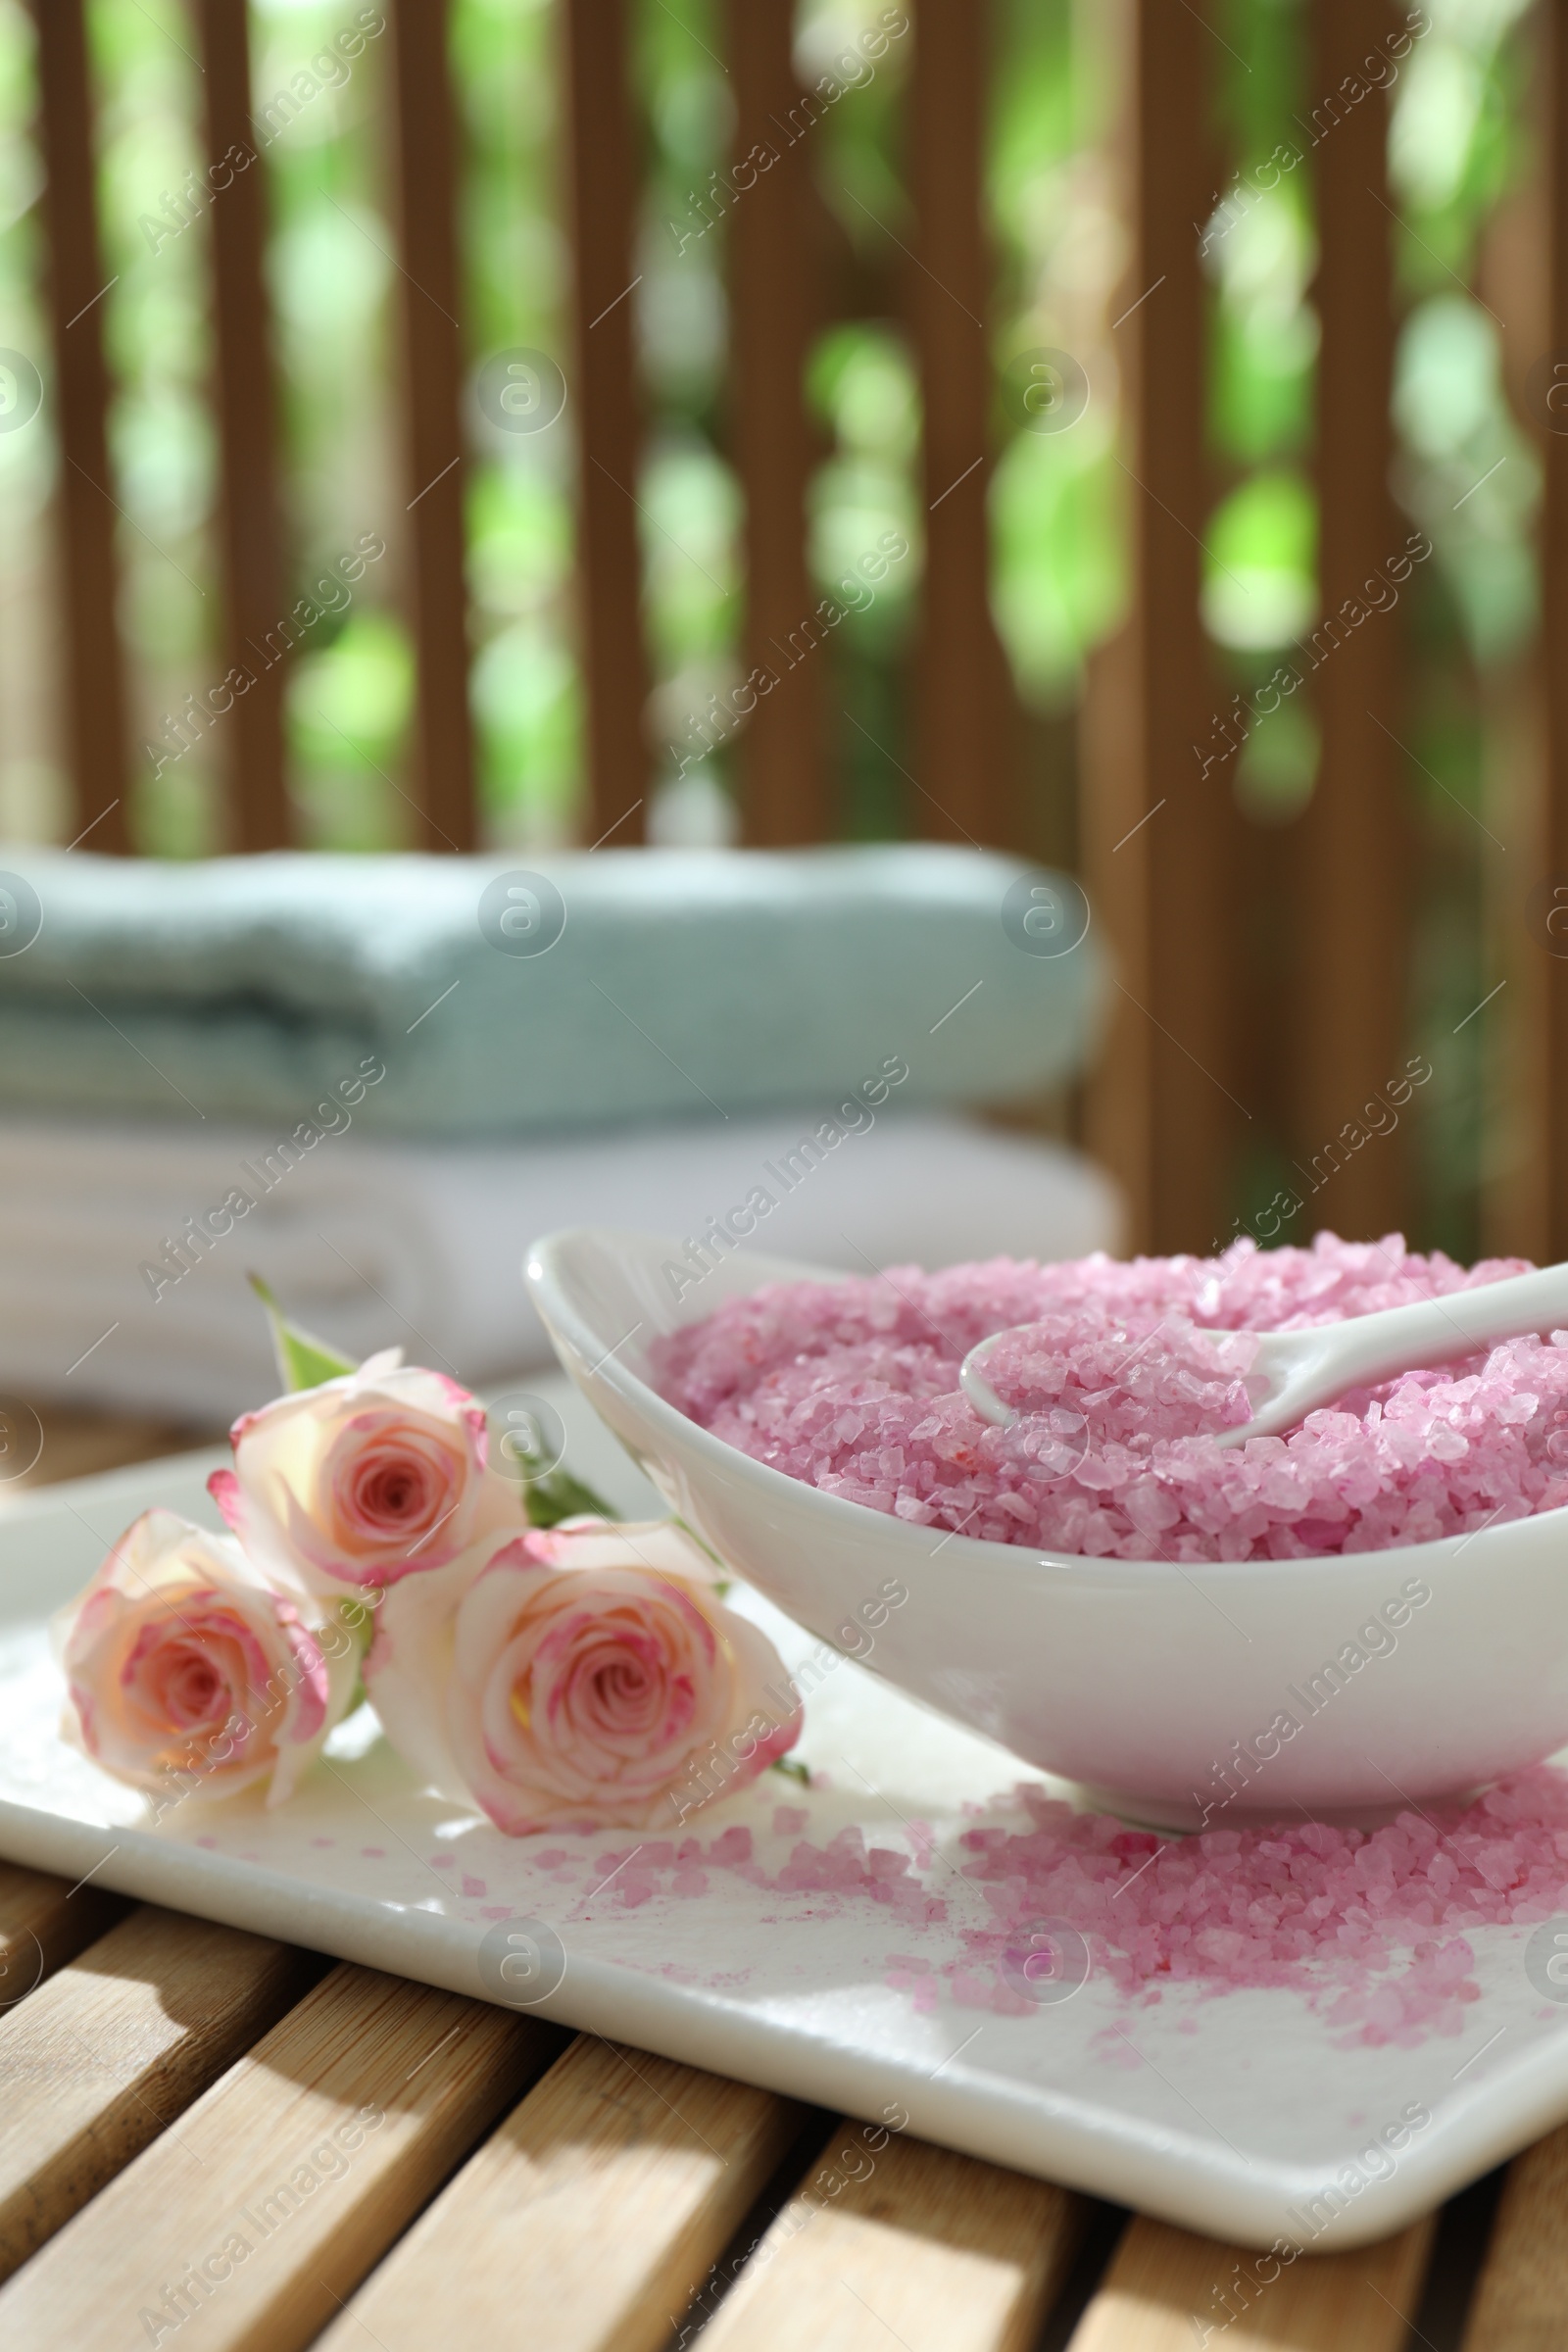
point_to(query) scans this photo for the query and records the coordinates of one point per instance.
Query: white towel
(373, 1241)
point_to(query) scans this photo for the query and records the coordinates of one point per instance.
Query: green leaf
(302, 1360)
(356, 1616)
(558, 1495)
(792, 1770)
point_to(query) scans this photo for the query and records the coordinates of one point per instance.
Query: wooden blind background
(1178, 1090)
(252, 556)
(1352, 916)
(93, 668)
(1546, 1067)
(1158, 832)
(783, 752)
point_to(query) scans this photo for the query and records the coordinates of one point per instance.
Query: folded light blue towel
(700, 982)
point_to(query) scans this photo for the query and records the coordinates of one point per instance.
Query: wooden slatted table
(205, 2129)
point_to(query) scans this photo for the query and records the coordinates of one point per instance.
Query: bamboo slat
(92, 663)
(603, 194)
(104, 2055)
(1164, 2288)
(76, 1445)
(432, 371)
(1522, 2293)
(254, 609)
(963, 690)
(1118, 1102)
(287, 2181)
(1352, 932)
(1159, 828)
(1550, 1077)
(676, 2156)
(914, 2246)
(783, 780)
(44, 1922)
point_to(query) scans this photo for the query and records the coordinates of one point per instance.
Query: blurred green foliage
(1061, 577)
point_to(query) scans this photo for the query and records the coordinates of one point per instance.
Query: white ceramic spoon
(1294, 1372)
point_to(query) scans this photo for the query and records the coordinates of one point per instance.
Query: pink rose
(182, 1660)
(364, 1479)
(579, 1675)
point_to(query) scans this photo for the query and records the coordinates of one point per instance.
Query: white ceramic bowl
(1164, 1691)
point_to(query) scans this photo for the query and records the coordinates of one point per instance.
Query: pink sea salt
(731, 1848)
(1125, 1374)
(1372, 1925)
(1372, 1928)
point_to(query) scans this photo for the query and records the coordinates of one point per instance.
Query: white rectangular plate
(1229, 2115)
